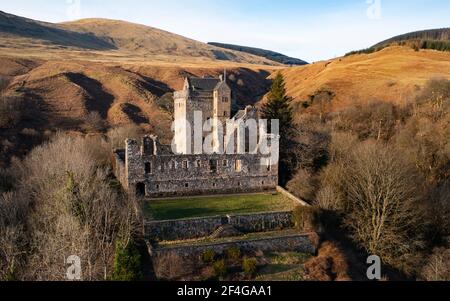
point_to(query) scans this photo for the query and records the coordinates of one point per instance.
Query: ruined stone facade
(149, 168)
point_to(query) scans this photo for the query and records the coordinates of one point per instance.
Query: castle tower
(222, 100)
(211, 97)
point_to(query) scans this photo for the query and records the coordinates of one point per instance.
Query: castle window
(239, 184)
(148, 168)
(186, 185)
(224, 99)
(199, 163)
(225, 163)
(225, 114)
(213, 166)
(185, 164)
(263, 183)
(238, 165)
(157, 187)
(172, 165)
(140, 190)
(214, 184)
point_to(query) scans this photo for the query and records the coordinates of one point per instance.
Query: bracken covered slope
(394, 74)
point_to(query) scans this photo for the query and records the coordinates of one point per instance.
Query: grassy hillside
(271, 55)
(108, 40)
(394, 74)
(436, 39)
(90, 96)
(12, 27)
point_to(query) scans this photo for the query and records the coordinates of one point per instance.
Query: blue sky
(310, 30)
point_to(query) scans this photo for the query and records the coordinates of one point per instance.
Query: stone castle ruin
(154, 170)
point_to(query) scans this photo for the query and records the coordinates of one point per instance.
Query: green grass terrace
(191, 207)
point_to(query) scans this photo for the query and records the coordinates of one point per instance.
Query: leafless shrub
(118, 135)
(303, 185)
(438, 212)
(13, 211)
(342, 143)
(171, 266)
(4, 82)
(94, 122)
(426, 143)
(376, 120)
(332, 193)
(328, 198)
(438, 266)
(307, 219)
(434, 101)
(11, 111)
(312, 140)
(6, 180)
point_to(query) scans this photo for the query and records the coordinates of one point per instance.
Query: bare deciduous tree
(438, 266)
(13, 211)
(94, 122)
(11, 111)
(4, 82)
(117, 136)
(383, 212)
(328, 198)
(76, 210)
(304, 185)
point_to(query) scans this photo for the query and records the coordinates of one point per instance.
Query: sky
(309, 30)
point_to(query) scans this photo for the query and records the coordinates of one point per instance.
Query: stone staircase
(225, 231)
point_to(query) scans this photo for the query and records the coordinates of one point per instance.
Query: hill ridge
(268, 54)
(104, 35)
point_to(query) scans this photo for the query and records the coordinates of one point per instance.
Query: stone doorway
(140, 190)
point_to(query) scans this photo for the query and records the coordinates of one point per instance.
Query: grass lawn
(283, 267)
(216, 205)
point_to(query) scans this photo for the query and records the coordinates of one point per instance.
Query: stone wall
(292, 197)
(201, 227)
(162, 175)
(119, 167)
(249, 223)
(302, 243)
(181, 229)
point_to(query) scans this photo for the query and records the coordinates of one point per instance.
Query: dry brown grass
(395, 74)
(69, 90)
(330, 264)
(111, 40)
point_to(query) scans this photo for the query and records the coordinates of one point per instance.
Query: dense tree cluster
(61, 200)
(384, 172)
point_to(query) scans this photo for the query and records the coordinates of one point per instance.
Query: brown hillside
(108, 40)
(147, 40)
(66, 91)
(394, 74)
